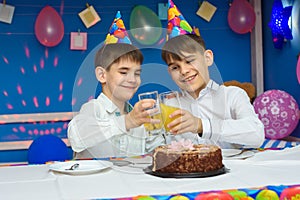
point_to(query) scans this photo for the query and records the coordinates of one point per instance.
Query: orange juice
(151, 127)
(166, 111)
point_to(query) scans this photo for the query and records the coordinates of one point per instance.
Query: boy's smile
(189, 78)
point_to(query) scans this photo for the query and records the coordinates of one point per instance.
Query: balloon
(141, 21)
(47, 148)
(290, 193)
(214, 195)
(241, 16)
(267, 194)
(278, 111)
(49, 27)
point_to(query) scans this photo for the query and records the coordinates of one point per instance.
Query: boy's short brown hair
(109, 54)
(176, 46)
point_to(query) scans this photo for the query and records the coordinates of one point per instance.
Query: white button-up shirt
(228, 117)
(98, 131)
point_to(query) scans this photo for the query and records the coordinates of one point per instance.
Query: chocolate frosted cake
(184, 157)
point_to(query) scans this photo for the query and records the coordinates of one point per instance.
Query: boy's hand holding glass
(183, 122)
(140, 114)
(154, 124)
(177, 120)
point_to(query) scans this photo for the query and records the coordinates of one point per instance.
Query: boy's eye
(174, 67)
(123, 72)
(137, 73)
(189, 61)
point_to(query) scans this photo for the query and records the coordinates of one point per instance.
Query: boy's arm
(92, 125)
(244, 126)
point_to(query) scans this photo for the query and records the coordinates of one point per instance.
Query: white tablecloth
(37, 182)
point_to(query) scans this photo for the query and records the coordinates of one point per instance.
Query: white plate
(230, 152)
(85, 166)
(245, 154)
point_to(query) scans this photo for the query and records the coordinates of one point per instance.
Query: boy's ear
(209, 57)
(100, 74)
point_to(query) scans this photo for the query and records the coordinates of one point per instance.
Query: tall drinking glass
(169, 102)
(153, 129)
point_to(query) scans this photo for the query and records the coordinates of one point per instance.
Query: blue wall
(49, 76)
(280, 64)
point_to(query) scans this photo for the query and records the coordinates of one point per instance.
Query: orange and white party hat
(117, 31)
(177, 25)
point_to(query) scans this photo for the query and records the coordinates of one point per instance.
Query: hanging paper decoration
(78, 41)
(298, 69)
(117, 32)
(163, 11)
(89, 16)
(6, 12)
(241, 16)
(206, 10)
(49, 27)
(279, 24)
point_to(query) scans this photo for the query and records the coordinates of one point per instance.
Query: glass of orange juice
(153, 129)
(169, 102)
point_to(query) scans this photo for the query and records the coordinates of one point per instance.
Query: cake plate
(220, 171)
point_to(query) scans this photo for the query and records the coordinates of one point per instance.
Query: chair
(48, 148)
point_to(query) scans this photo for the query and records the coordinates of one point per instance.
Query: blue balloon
(48, 148)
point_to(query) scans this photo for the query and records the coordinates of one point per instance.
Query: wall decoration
(163, 11)
(6, 13)
(241, 16)
(89, 16)
(49, 27)
(206, 10)
(279, 24)
(278, 111)
(78, 41)
(145, 25)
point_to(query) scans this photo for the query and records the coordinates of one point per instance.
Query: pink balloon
(49, 27)
(241, 16)
(278, 111)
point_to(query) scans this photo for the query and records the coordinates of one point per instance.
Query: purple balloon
(278, 111)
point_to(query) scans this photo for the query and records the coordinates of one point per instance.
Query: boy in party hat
(210, 112)
(109, 126)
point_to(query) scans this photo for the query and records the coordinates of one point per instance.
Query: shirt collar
(110, 106)
(210, 86)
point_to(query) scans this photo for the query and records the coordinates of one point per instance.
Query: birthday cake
(185, 157)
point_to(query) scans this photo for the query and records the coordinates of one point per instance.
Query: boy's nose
(184, 69)
(131, 78)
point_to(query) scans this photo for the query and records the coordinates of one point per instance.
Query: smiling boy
(109, 126)
(210, 112)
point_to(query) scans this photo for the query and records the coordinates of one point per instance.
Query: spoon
(73, 167)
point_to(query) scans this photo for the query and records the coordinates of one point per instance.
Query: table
(267, 168)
